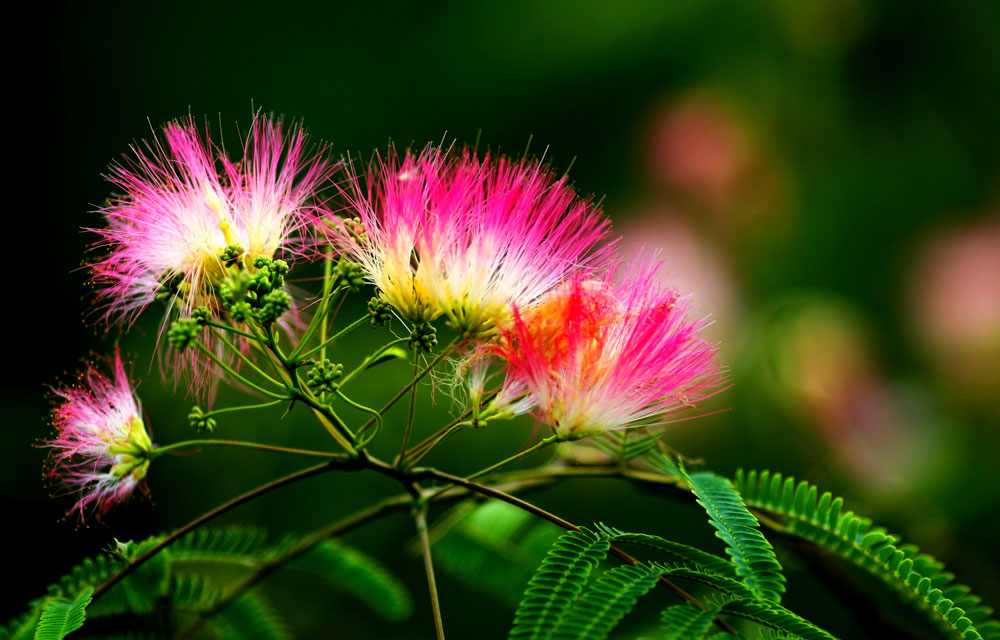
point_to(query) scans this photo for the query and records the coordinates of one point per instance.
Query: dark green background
(879, 117)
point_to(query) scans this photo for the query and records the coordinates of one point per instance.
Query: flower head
(608, 353)
(190, 218)
(101, 451)
(445, 232)
(186, 204)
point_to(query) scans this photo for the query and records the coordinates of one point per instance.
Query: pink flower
(609, 353)
(101, 451)
(185, 202)
(447, 233)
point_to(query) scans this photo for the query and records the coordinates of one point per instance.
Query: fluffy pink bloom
(449, 233)
(609, 353)
(184, 201)
(101, 449)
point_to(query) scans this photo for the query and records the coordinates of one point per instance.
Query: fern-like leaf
(776, 617)
(238, 544)
(679, 552)
(360, 575)
(61, 616)
(724, 584)
(627, 444)
(687, 621)
(605, 603)
(916, 577)
(557, 584)
(250, 617)
(750, 551)
(495, 547)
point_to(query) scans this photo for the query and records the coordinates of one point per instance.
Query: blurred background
(823, 176)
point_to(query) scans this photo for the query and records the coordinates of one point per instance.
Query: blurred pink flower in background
(825, 369)
(708, 157)
(954, 306)
(690, 263)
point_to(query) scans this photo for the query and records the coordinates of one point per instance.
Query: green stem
(246, 407)
(353, 521)
(420, 517)
(433, 440)
(360, 407)
(409, 417)
(246, 445)
(402, 392)
(318, 320)
(514, 458)
(137, 562)
(368, 360)
(242, 356)
(334, 337)
(229, 328)
(330, 420)
(225, 367)
(565, 524)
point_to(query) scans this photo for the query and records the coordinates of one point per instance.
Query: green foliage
(237, 544)
(494, 547)
(679, 552)
(776, 617)
(250, 617)
(177, 583)
(558, 583)
(917, 577)
(559, 605)
(684, 621)
(627, 444)
(61, 616)
(606, 602)
(359, 575)
(750, 551)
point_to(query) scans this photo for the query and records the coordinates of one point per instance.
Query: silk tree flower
(184, 203)
(609, 353)
(101, 450)
(444, 232)
(476, 370)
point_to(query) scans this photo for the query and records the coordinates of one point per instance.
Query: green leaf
(750, 551)
(61, 616)
(360, 575)
(495, 547)
(679, 552)
(558, 583)
(687, 621)
(627, 444)
(916, 577)
(776, 617)
(250, 617)
(606, 602)
(238, 544)
(387, 355)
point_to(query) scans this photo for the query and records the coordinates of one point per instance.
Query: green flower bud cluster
(275, 303)
(257, 296)
(423, 337)
(231, 255)
(322, 378)
(171, 286)
(356, 230)
(182, 333)
(380, 311)
(348, 275)
(201, 315)
(201, 422)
